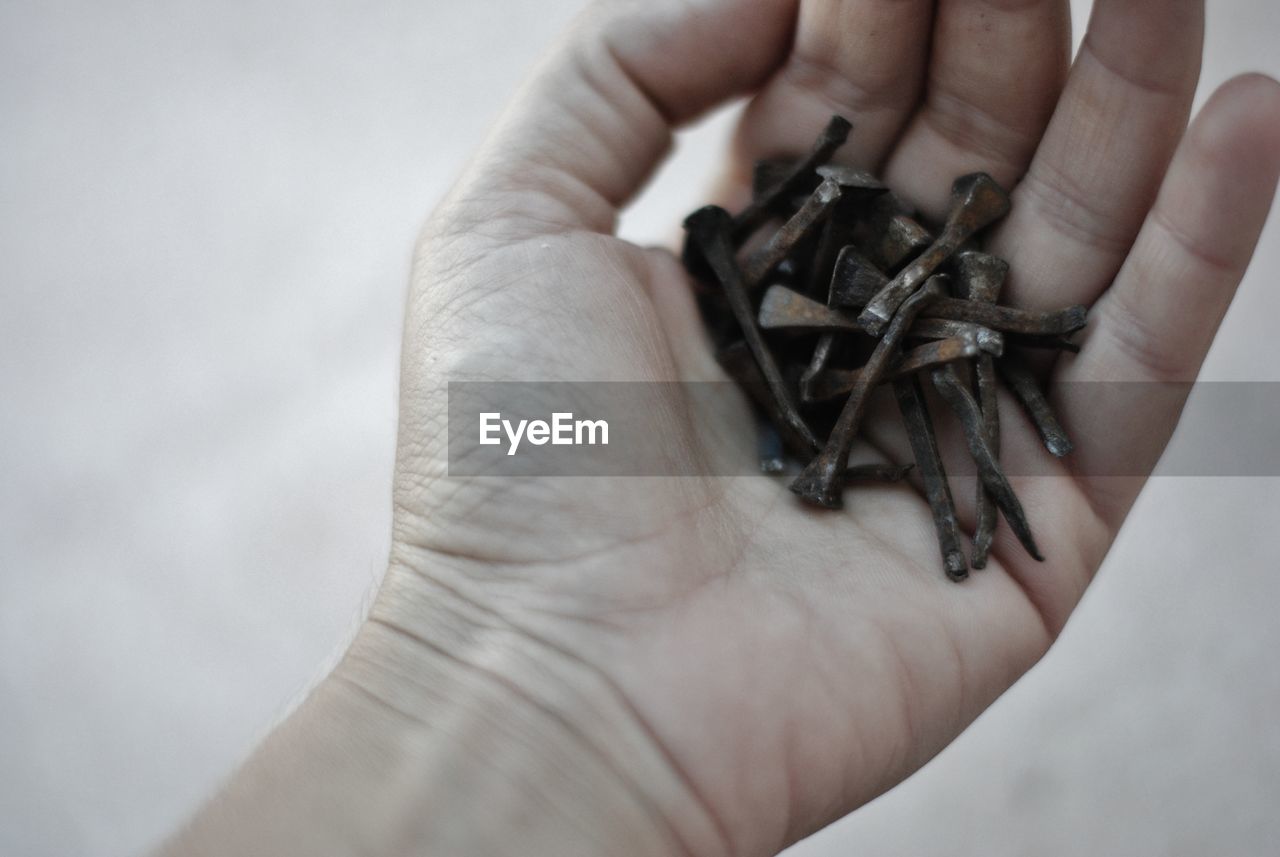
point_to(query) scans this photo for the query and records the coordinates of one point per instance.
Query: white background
(207, 216)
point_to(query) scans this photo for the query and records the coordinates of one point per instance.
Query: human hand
(790, 664)
(704, 664)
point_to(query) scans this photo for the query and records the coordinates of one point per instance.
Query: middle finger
(995, 73)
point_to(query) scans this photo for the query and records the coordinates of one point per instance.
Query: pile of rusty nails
(851, 292)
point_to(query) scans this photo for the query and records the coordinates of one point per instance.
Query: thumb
(580, 139)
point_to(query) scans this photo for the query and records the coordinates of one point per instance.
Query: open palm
(749, 667)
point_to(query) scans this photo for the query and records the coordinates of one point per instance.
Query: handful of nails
(850, 292)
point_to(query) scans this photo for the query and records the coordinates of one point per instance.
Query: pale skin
(703, 665)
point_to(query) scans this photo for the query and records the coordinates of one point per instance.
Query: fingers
(995, 74)
(1158, 320)
(584, 134)
(1095, 174)
(863, 59)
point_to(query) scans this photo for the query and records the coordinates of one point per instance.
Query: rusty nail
(855, 279)
(990, 341)
(810, 216)
(924, 446)
(835, 235)
(852, 179)
(984, 531)
(965, 407)
(838, 382)
(982, 276)
(709, 228)
(877, 472)
(977, 201)
(739, 364)
(832, 137)
(819, 483)
(1027, 390)
(889, 234)
(822, 351)
(770, 172)
(1055, 323)
(786, 308)
(769, 448)
(903, 240)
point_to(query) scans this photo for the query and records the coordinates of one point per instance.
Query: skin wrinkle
(577, 735)
(827, 682)
(1215, 263)
(510, 284)
(699, 584)
(504, 202)
(665, 113)
(661, 529)
(569, 200)
(1067, 210)
(956, 129)
(441, 307)
(907, 750)
(639, 539)
(973, 127)
(1129, 332)
(792, 778)
(818, 76)
(442, 251)
(903, 749)
(604, 99)
(626, 267)
(1157, 85)
(432, 551)
(963, 693)
(346, 680)
(530, 211)
(887, 548)
(623, 699)
(452, 725)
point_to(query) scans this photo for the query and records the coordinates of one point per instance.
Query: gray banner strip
(695, 429)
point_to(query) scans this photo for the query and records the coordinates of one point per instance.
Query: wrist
(511, 741)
